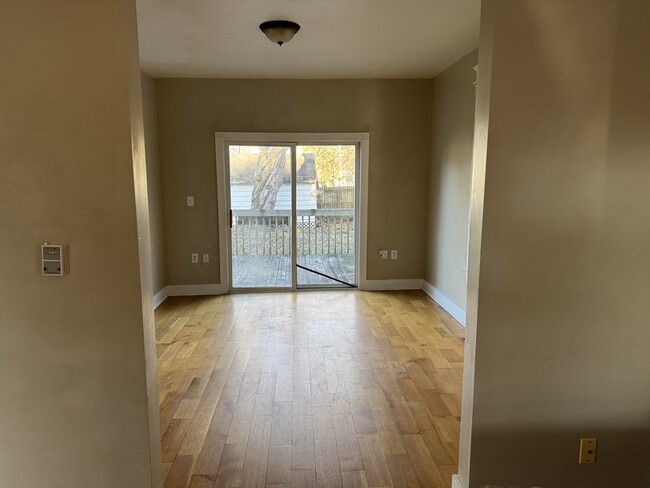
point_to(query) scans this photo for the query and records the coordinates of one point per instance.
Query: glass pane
(325, 214)
(260, 199)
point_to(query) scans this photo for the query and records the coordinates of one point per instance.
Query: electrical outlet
(190, 201)
(206, 258)
(393, 254)
(383, 253)
(587, 450)
(195, 257)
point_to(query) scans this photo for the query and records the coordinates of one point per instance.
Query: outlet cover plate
(588, 447)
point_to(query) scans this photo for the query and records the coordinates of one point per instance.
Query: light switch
(190, 201)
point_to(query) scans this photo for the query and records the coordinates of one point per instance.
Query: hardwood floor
(313, 389)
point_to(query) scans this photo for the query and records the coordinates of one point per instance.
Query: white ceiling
(337, 39)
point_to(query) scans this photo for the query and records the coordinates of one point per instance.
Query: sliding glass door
(260, 216)
(292, 215)
(325, 217)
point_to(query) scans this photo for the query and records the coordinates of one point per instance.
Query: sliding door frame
(224, 139)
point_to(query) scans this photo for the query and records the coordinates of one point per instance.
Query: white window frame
(292, 139)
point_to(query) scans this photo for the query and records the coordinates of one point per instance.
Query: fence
(268, 232)
(335, 197)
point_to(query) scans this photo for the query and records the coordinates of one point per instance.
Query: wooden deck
(275, 271)
(295, 390)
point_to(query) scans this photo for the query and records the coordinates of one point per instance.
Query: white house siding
(241, 195)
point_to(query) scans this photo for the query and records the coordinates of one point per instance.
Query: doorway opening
(294, 210)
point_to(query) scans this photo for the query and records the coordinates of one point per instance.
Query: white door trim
(294, 213)
(224, 138)
(222, 213)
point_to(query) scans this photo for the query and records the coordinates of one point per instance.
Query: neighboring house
(240, 196)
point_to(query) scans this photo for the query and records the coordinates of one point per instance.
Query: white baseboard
(455, 310)
(377, 285)
(443, 300)
(455, 481)
(195, 290)
(160, 297)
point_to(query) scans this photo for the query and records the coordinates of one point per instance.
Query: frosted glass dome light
(279, 31)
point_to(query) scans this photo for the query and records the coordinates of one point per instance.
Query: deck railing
(268, 232)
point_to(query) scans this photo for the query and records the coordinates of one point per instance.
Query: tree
(334, 164)
(269, 175)
(334, 167)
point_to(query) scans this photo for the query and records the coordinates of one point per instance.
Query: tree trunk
(269, 175)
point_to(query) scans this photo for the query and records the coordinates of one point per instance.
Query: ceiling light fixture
(279, 31)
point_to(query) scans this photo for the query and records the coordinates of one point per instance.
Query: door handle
(230, 218)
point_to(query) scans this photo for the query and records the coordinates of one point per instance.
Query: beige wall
(450, 178)
(562, 336)
(75, 395)
(396, 113)
(154, 183)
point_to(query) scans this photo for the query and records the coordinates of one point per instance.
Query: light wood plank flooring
(312, 389)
